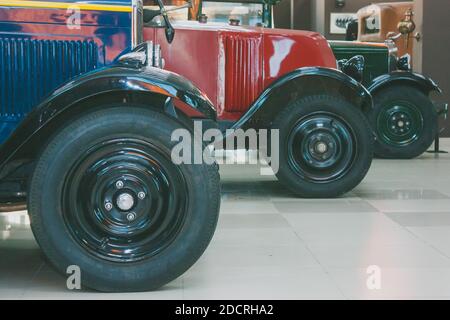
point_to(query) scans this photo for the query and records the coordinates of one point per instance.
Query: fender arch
(148, 87)
(425, 84)
(304, 81)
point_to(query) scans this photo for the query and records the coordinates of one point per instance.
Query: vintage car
(405, 113)
(85, 125)
(404, 116)
(389, 21)
(261, 78)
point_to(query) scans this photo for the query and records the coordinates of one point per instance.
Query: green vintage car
(404, 117)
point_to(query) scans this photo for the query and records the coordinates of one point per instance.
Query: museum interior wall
(436, 46)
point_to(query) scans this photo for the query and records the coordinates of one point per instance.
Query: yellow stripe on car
(63, 5)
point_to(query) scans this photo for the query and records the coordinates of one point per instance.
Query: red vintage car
(277, 79)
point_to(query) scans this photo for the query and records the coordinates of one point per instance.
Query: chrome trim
(157, 55)
(137, 58)
(393, 49)
(392, 54)
(150, 54)
(136, 22)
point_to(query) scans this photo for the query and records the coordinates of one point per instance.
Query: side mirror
(150, 14)
(170, 31)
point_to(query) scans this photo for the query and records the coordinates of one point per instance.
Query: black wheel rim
(400, 123)
(321, 147)
(124, 200)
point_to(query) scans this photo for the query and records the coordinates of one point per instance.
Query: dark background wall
(302, 14)
(436, 46)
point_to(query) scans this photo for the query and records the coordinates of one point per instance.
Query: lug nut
(131, 216)
(108, 206)
(119, 184)
(141, 195)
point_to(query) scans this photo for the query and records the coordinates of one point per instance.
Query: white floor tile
(362, 228)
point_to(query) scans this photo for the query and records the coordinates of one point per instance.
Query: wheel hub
(321, 147)
(400, 123)
(125, 201)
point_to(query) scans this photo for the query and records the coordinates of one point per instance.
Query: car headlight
(353, 67)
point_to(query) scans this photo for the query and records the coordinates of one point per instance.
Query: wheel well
(405, 83)
(34, 145)
(301, 87)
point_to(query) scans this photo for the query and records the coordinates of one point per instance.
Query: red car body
(234, 64)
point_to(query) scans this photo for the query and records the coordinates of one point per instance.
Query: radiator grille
(32, 69)
(243, 67)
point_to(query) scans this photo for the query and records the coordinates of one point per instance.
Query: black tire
(409, 102)
(82, 161)
(349, 146)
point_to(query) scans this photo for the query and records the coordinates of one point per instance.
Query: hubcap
(124, 200)
(321, 147)
(400, 124)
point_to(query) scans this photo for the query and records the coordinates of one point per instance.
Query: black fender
(321, 79)
(147, 82)
(425, 84)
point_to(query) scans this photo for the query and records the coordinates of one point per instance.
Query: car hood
(357, 45)
(218, 26)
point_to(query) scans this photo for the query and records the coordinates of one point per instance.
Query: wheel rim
(124, 200)
(321, 147)
(400, 123)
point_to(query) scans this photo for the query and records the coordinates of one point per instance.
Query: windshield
(250, 14)
(178, 15)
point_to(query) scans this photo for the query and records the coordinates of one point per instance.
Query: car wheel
(106, 197)
(326, 146)
(405, 121)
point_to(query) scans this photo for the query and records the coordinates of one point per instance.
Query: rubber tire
(355, 118)
(57, 243)
(426, 107)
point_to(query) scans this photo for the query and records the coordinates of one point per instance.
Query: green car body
(378, 60)
(404, 117)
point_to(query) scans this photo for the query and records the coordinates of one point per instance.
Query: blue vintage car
(86, 118)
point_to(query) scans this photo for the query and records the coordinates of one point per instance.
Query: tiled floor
(271, 245)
